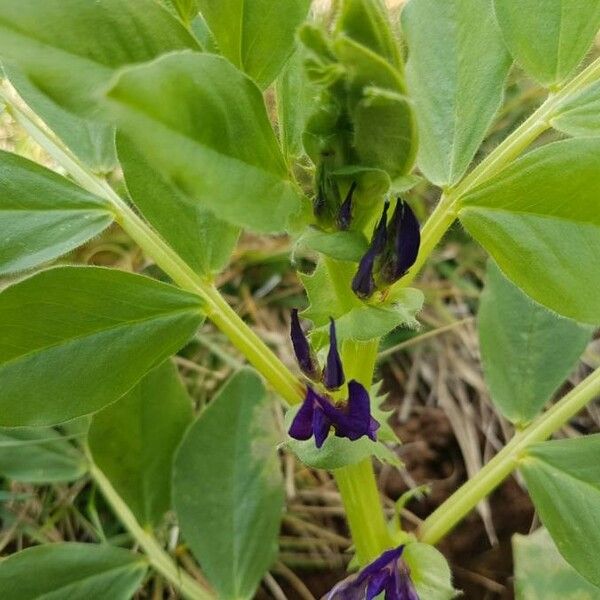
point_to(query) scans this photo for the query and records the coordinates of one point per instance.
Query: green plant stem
(466, 498)
(362, 504)
(157, 556)
(356, 483)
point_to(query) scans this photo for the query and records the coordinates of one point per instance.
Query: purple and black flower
(387, 574)
(393, 250)
(318, 414)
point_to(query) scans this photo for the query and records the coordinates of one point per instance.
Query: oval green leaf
(43, 215)
(71, 570)
(540, 221)
(209, 136)
(257, 36)
(457, 65)
(227, 487)
(563, 479)
(527, 351)
(39, 455)
(133, 441)
(548, 38)
(74, 339)
(541, 573)
(202, 240)
(70, 49)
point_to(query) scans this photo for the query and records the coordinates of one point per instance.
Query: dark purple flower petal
(304, 354)
(387, 573)
(333, 374)
(404, 239)
(321, 427)
(358, 420)
(302, 425)
(363, 284)
(345, 213)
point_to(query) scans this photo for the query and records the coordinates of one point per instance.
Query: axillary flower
(319, 414)
(388, 574)
(393, 250)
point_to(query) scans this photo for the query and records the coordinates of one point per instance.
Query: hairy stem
(158, 558)
(466, 498)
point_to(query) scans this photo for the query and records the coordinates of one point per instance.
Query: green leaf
(202, 240)
(455, 49)
(548, 38)
(539, 220)
(39, 455)
(133, 441)
(74, 339)
(563, 479)
(73, 571)
(209, 136)
(527, 351)
(541, 573)
(336, 452)
(579, 115)
(186, 9)
(227, 487)
(43, 215)
(296, 97)
(429, 572)
(321, 288)
(92, 141)
(70, 49)
(340, 245)
(366, 21)
(384, 127)
(257, 36)
(369, 322)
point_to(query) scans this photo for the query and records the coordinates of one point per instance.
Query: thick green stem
(466, 498)
(362, 504)
(157, 556)
(356, 483)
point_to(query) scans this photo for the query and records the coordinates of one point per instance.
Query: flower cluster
(318, 413)
(393, 250)
(387, 574)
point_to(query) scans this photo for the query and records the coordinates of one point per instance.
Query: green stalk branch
(466, 498)
(513, 146)
(158, 558)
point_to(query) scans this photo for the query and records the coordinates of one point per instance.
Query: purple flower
(363, 284)
(393, 250)
(304, 354)
(402, 249)
(345, 213)
(318, 415)
(333, 374)
(388, 574)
